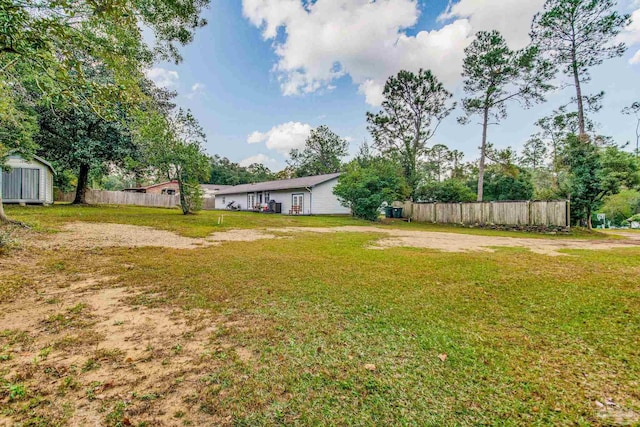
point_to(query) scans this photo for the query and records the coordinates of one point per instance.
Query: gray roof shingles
(283, 184)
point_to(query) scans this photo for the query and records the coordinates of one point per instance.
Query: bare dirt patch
(91, 235)
(98, 358)
(456, 242)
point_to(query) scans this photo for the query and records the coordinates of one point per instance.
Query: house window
(266, 196)
(223, 200)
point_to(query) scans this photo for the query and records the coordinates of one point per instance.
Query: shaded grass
(529, 339)
(205, 222)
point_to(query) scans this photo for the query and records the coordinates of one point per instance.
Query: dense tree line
(565, 158)
(73, 90)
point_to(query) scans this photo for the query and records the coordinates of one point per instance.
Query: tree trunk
(3, 217)
(589, 225)
(183, 202)
(81, 189)
(483, 149)
(576, 80)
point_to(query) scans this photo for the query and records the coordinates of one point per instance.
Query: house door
(251, 200)
(21, 184)
(297, 201)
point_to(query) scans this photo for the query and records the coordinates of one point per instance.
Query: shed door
(30, 184)
(21, 184)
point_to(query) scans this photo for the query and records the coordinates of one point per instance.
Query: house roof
(283, 184)
(214, 187)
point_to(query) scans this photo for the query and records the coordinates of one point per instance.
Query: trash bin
(397, 212)
(388, 212)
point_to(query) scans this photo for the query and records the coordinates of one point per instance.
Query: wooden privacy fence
(542, 213)
(102, 197)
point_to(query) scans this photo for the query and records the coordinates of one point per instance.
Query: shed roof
(38, 158)
(282, 184)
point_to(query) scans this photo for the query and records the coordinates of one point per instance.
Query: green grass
(529, 339)
(205, 222)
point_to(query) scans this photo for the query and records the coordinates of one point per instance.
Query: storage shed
(27, 181)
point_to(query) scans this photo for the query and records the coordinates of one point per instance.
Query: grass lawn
(339, 334)
(206, 222)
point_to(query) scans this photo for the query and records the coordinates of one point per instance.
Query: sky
(263, 73)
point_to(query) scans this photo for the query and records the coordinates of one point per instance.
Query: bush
(365, 188)
(447, 191)
(191, 197)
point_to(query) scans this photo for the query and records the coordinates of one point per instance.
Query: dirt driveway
(88, 235)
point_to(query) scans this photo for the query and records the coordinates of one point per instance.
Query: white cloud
(282, 138)
(319, 42)
(511, 17)
(329, 39)
(196, 89)
(631, 35)
(163, 77)
(262, 159)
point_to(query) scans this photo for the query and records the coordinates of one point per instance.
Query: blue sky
(267, 71)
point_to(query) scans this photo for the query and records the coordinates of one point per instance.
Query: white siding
(325, 202)
(46, 177)
(223, 200)
(321, 200)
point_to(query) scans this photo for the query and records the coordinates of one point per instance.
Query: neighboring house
(210, 190)
(311, 195)
(27, 181)
(169, 187)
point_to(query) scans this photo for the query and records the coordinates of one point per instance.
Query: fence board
(550, 213)
(448, 213)
(102, 197)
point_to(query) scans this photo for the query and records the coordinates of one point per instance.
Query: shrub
(364, 188)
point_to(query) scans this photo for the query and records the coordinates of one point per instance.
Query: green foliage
(622, 206)
(594, 174)
(365, 188)
(493, 76)
(413, 108)
(448, 191)
(577, 35)
(322, 153)
(175, 148)
(534, 153)
(79, 140)
(46, 50)
(191, 197)
(225, 172)
(513, 185)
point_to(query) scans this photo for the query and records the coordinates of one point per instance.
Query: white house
(310, 195)
(27, 181)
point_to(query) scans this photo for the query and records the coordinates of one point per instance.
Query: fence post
(529, 212)
(491, 213)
